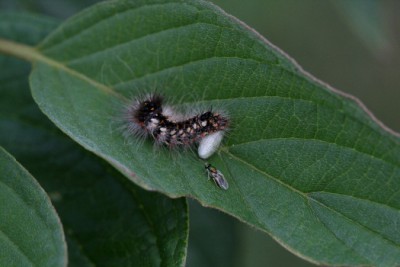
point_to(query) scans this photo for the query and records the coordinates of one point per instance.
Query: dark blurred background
(353, 45)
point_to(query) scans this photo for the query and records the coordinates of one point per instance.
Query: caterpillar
(149, 117)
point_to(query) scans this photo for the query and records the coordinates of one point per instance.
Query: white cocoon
(209, 144)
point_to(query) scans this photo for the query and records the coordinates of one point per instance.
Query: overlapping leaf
(108, 222)
(30, 230)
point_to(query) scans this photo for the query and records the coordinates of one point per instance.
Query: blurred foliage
(366, 19)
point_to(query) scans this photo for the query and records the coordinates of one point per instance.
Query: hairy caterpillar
(149, 117)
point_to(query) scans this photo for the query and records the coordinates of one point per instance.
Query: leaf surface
(30, 230)
(108, 221)
(297, 149)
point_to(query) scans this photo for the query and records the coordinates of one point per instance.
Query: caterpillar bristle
(150, 117)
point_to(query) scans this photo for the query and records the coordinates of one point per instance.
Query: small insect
(217, 176)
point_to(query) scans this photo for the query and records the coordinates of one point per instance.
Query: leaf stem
(33, 55)
(21, 51)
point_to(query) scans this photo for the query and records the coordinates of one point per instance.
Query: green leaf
(30, 230)
(108, 222)
(296, 152)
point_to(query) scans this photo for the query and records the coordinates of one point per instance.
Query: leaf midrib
(32, 54)
(313, 140)
(290, 187)
(29, 53)
(36, 55)
(307, 198)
